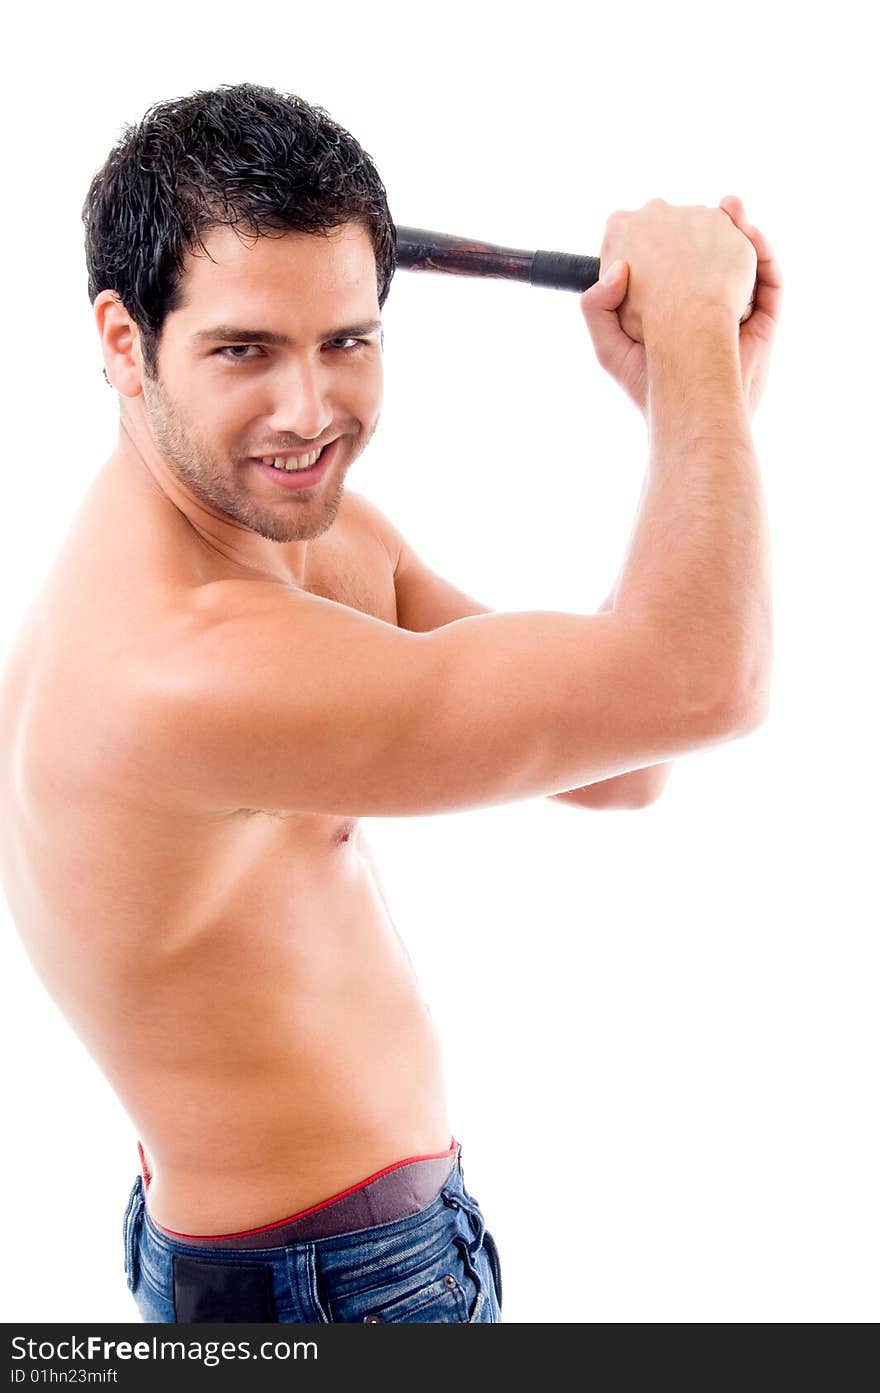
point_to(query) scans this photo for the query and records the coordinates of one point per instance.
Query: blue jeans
(439, 1264)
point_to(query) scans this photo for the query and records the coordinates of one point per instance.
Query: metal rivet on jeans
(372, 1320)
(450, 1281)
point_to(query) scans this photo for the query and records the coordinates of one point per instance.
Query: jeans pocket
(393, 1287)
(131, 1226)
(441, 1300)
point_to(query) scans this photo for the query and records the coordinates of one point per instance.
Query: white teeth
(294, 464)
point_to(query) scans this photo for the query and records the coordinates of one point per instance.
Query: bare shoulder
(365, 515)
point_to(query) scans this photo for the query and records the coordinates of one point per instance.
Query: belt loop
(470, 1250)
(131, 1231)
(305, 1282)
(478, 1223)
(468, 1254)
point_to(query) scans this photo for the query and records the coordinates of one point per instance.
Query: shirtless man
(230, 664)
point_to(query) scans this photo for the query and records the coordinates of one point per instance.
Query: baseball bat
(420, 250)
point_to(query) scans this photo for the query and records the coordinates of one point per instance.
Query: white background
(660, 1026)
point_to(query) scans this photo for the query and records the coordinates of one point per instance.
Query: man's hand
(757, 334)
(618, 354)
(624, 358)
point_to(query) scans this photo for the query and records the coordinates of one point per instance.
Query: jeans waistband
(390, 1194)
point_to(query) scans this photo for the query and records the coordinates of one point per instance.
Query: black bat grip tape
(563, 271)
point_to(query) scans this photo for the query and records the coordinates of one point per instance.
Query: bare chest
(354, 571)
(61, 647)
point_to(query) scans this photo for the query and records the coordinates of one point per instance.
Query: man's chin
(282, 529)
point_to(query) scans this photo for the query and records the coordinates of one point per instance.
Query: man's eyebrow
(230, 333)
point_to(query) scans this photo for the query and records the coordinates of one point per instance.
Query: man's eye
(235, 350)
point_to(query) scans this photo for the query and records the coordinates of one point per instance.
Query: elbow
(642, 787)
(744, 714)
(645, 800)
(740, 704)
(650, 790)
(749, 705)
(753, 706)
(751, 718)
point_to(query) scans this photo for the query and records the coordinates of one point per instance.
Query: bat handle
(421, 250)
(564, 271)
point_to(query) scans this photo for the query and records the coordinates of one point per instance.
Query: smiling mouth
(296, 469)
(290, 462)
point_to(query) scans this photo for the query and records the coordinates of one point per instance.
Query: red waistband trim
(312, 1209)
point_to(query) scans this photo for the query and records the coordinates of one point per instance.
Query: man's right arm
(272, 698)
(269, 698)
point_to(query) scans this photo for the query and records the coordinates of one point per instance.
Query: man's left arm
(426, 601)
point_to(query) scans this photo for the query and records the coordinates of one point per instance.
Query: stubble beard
(193, 462)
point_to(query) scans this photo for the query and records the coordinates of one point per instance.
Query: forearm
(698, 564)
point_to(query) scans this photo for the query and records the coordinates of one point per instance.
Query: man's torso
(237, 976)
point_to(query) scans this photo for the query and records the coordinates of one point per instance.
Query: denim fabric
(438, 1265)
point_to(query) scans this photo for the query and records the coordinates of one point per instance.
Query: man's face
(307, 371)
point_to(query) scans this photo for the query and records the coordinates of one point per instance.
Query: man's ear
(120, 343)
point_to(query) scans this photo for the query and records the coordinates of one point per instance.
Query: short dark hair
(243, 156)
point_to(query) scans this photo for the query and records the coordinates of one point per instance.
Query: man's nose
(301, 406)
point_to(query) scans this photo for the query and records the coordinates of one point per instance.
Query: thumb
(609, 290)
(599, 307)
